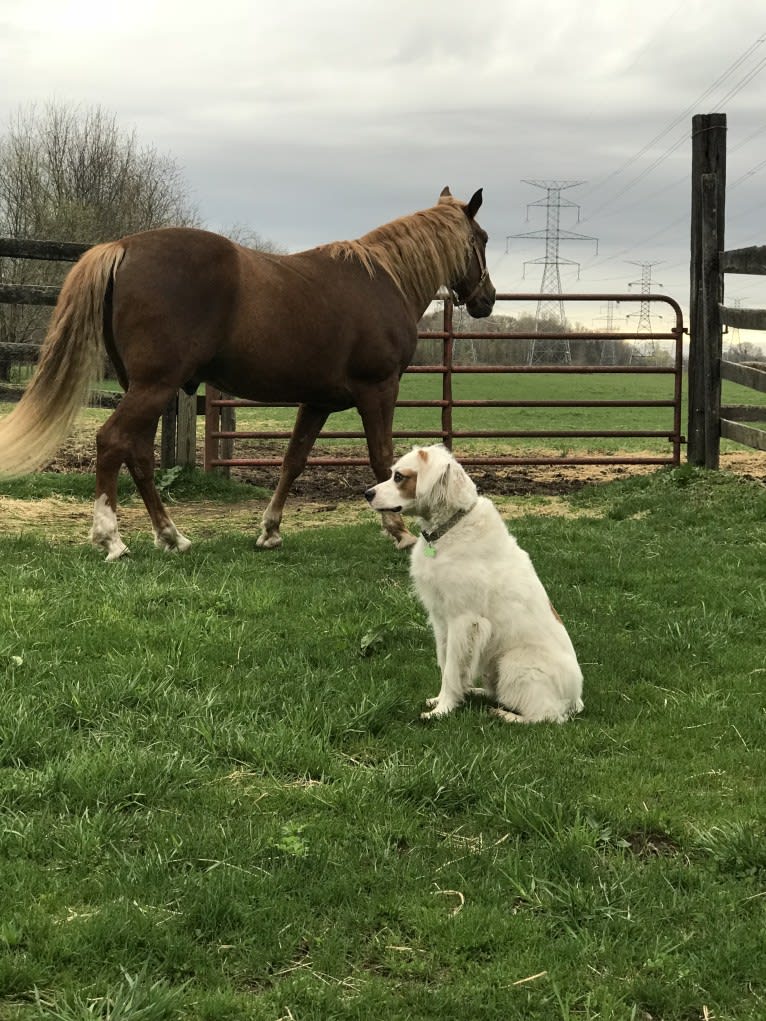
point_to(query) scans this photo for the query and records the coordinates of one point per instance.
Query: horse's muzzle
(482, 306)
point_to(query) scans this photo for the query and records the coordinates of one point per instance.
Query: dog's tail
(70, 360)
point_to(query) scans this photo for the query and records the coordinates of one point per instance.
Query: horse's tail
(70, 359)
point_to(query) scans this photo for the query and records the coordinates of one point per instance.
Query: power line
(740, 84)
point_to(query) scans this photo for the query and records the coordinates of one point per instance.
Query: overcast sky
(310, 121)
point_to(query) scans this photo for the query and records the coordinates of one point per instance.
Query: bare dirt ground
(321, 496)
(334, 484)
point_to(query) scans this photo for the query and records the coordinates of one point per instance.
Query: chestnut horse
(331, 328)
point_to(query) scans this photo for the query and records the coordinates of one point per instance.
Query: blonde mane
(419, 252)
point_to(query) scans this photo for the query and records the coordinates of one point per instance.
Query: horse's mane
(419, 252)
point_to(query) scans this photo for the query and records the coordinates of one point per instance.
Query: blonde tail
(70, 359)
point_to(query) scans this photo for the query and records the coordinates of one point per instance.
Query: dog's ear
(442, 482)
(431, 468)
(459, 489)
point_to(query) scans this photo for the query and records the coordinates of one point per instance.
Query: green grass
(175, 484)
(216, 800)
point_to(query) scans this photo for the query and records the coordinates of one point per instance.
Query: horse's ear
(474, 205)
(445, 194)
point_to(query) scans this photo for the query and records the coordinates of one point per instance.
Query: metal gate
(220, 435)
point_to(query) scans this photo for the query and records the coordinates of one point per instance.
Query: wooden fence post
(178, 437)
(709, 207)
(186, 430)
(710, 319)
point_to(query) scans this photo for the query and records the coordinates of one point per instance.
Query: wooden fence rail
(178, 438)
(709, 420)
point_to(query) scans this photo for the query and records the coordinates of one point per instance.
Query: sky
(309, 122)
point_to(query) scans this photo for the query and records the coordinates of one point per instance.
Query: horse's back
(257, 324)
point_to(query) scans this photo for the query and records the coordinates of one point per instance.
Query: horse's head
(474, 289)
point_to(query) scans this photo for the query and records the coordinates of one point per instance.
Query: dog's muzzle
(369, 494)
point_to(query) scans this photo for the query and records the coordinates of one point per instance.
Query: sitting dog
(489, 612)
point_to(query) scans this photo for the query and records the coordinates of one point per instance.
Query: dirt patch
(333, 485)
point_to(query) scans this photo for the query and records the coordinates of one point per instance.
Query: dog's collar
(437, 533)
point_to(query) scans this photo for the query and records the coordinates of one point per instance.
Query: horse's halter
(481, 260)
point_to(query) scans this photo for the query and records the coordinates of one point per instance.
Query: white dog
(489, 612)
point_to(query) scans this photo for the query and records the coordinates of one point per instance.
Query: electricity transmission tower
(550, 307)
(647, 351)
(608, 355)
(733, 331)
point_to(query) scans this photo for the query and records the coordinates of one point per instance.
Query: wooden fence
(178, 436)
(709, 420)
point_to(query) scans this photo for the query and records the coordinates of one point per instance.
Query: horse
(330, 328)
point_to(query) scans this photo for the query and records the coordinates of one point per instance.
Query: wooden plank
(52, 251)
(745, 260)
(28, 294)
(20, 350)
(744, 318)
(745, 375)
(747, 435)
(744, 412)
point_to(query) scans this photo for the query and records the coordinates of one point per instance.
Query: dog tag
(429, 551)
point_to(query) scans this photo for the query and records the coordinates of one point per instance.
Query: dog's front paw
(436, 709)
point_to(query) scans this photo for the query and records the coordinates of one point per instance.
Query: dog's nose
(369, 494)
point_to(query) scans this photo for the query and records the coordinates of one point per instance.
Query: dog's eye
(398, 477)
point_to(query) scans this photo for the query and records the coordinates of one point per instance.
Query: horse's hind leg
(110, 454)
(128, 436)
(308, 425)
(141, 467)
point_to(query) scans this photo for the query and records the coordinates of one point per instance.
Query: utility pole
(647, 352)
(550, 307)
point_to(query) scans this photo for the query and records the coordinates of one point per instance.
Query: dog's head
(426, 481)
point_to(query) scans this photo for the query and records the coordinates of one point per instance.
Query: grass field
(217, 802)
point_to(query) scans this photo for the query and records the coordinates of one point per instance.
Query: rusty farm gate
(221, 434)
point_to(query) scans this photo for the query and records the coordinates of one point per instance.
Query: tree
(744, 351)
(72, 174)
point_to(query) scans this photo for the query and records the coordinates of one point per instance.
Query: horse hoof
(269, 541)
(116, 552)
(171, 541)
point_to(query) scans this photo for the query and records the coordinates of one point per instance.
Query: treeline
(516, 350)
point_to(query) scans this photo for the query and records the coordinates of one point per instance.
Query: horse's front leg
(376, 406)
(308, 425)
